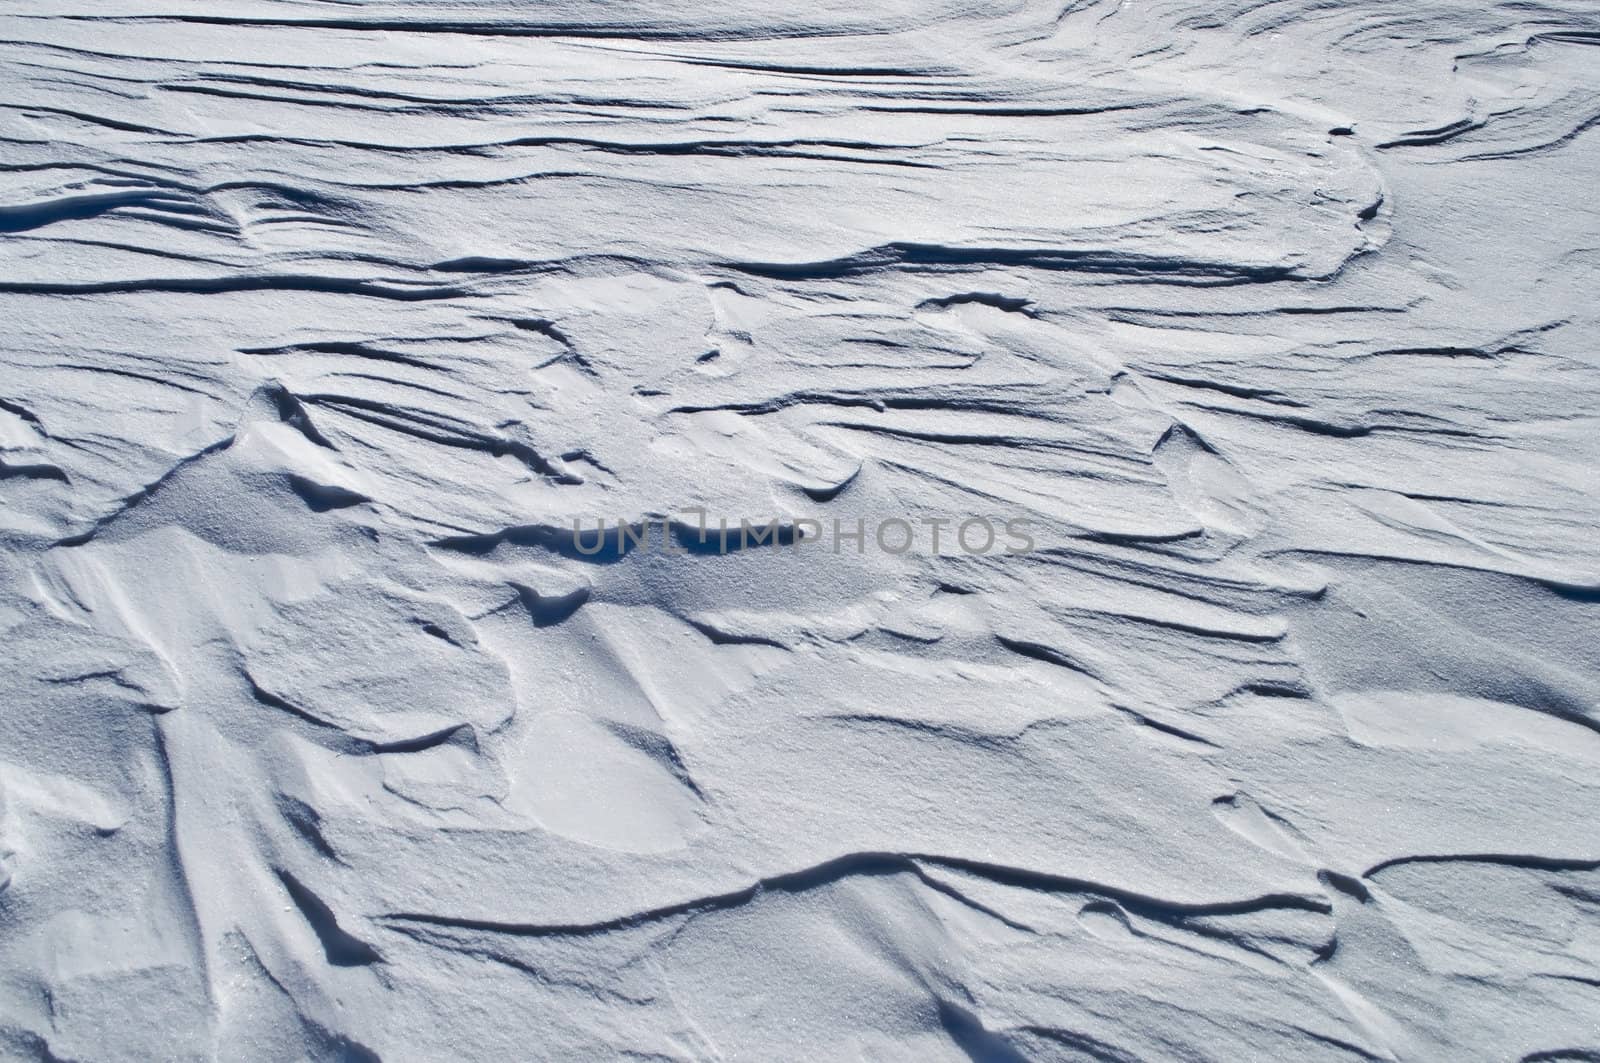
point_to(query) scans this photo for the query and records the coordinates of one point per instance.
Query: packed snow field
(378, 681)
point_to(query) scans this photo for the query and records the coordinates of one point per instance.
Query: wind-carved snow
(324, 739)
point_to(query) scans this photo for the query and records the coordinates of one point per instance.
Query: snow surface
(323, 737)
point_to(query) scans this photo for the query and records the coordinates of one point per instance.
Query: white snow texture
(1261, 335)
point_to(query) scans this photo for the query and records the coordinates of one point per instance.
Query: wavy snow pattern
(324, 738)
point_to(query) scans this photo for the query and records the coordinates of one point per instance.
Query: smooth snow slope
(323, 321)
